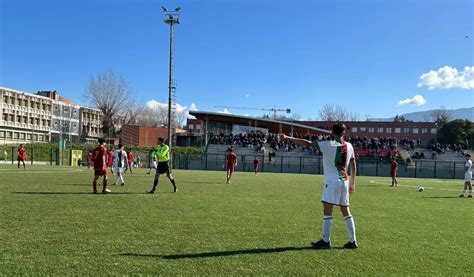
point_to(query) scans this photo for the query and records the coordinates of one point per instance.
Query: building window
(198, 127)
(22, 135)
(433, 130)
(2, 134)
(9, 135)
(16, 135)
(354, 129)
(371, 130)
(28, 136)
(397, 130)
(406, 130)
(424, 130)
(389, 130)
(362, 129)
(380, 130)
(12, 117)
(415, 130)
(40, 138)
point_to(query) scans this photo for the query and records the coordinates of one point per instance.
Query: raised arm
(298, 141)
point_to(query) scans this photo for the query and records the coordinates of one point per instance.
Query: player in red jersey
(110, 160)
(393, 172)
(21, 152)
(129, 161)
(89, 159)
(256, 165)
(231, 162)
(100, 158)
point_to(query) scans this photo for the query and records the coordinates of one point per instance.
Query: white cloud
(178, 108)
(417, 100)
(448, 77)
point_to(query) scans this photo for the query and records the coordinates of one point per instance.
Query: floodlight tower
(171, 18)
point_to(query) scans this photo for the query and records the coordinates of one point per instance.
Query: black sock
(174, 184)
(155, 183)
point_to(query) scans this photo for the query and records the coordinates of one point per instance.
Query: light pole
(171, 18)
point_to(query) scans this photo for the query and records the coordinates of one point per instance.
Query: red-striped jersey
(336, 157)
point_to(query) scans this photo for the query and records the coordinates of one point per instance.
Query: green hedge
(42, 151)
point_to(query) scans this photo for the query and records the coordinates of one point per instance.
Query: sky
(374, 58)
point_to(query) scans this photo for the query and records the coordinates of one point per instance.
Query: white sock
(327, 222)
(470, 192)
(121, 179)
(350, 228)
(117, 180)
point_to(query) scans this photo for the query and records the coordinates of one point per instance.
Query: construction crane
(274, 109)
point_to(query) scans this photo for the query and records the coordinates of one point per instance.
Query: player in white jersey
(338, 156)
(120, 163)
(467, 176)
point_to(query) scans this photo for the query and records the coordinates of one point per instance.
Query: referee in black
(162, 152)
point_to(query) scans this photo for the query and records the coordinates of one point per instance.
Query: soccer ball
(421, 189)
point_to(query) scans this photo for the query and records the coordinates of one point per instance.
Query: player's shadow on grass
(441, 197)
(226, 253)
(82, 185)
(69, 193)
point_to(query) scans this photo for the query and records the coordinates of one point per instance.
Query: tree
(337, 113)
(440, 116)
(401, 118)
(457, 132)
(111, 94)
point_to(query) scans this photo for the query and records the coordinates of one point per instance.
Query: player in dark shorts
(162, 152)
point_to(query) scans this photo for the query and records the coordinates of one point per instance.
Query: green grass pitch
(52, 225)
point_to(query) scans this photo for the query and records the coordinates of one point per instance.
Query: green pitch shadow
(226, 253)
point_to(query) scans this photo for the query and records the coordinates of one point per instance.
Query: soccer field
(52, 225)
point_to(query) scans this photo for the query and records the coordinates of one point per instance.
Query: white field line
(387, 185)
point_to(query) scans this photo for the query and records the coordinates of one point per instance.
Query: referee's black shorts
(163, 167)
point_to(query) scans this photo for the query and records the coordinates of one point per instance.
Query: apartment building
(90, 122)
(25, 117)
(65, 118)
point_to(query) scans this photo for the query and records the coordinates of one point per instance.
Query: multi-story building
(65, 118)
(25, 117)
(90, 123)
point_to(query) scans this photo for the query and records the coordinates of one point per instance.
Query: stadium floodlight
(171, 18)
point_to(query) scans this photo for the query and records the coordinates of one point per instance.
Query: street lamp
(171, 18)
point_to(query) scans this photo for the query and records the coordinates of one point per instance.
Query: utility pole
(171, 18)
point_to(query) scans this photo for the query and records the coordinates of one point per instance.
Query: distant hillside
(463, 113)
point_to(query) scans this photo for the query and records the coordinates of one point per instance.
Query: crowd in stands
(256, 141)
(363, 146)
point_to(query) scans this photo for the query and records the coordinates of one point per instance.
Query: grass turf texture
(52, 225)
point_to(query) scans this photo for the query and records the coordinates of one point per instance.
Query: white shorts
(467, 177)
(336, 193)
